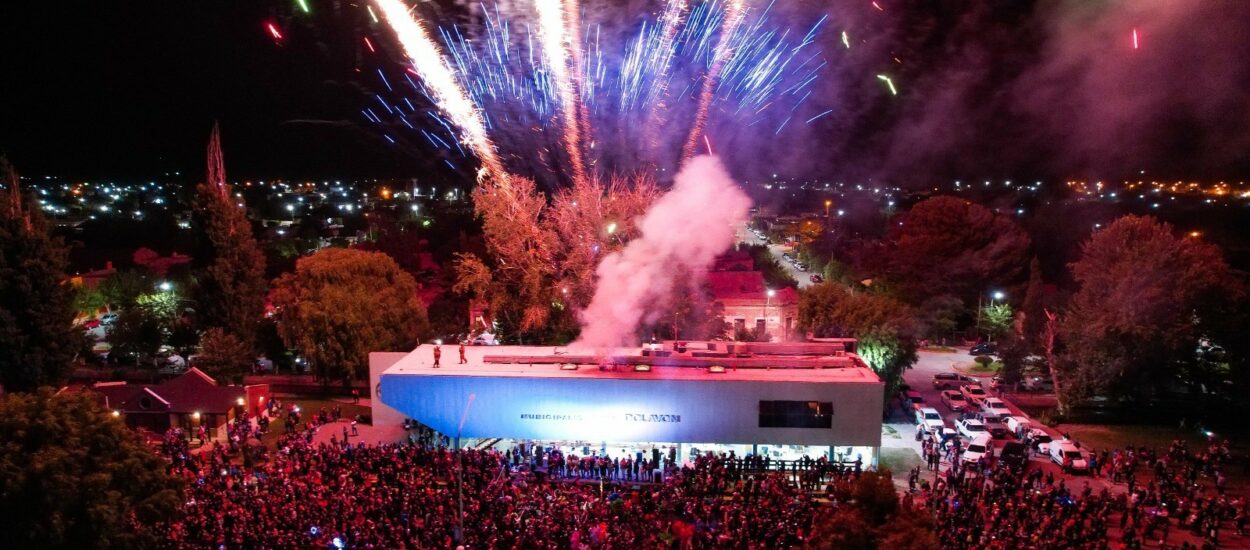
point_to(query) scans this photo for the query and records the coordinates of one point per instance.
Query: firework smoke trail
(662, 59)
(733, 17)
(553, 22)
(441, 82)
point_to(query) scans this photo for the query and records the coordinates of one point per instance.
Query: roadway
(746, 236)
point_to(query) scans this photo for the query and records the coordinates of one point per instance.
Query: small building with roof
(189, 400)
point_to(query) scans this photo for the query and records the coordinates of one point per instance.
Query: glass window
(796, 414)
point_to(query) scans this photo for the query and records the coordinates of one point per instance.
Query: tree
(948, 245)
(541, 258)
(775, 276)
(123, 288)
(842, 529)
(1034, 303)
(996, 320)
(75, 477)
(231, 289)
(885, 327)
(908, 530)
(137, 333)
(223, 355)
(940, 316)
(1146, 301)
(875, 496)
(37, 337)
(1012, 351)
(341, 304)
(873, 520)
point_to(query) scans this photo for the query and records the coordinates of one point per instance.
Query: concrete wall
(672, 411)
(379, 361)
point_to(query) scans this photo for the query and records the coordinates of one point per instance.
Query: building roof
(749, 286)
(192, 391)
(821, 363)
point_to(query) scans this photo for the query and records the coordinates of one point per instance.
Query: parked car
(944, 380)
(971, 428)
(1065, 453)
(984, 348)
(974, 393)
(994, 424)
(1014, 454)
(931, 418)
(800, 266)
(816, 278)
(1039, 440)
(1037, 384)
(913, 399)
(977, 448)
(91, 324)
(1019, 426)
(108, 318)
(954, 400)
(996, 406)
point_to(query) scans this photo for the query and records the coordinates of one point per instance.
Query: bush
(983, 360)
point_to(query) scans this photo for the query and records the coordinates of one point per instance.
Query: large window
(796, 414)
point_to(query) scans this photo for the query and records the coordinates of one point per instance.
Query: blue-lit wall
(647, 409)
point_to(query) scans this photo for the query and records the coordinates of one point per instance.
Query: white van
(1065, 453)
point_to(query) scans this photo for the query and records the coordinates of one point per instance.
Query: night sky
(988, 89)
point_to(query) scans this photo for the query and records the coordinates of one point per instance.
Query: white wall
(379, 361)
(688, 411)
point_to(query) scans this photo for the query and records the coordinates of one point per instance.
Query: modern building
(782, 400)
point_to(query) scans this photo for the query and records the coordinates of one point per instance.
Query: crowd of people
(422, 494)
(411, 496)
(993, 505)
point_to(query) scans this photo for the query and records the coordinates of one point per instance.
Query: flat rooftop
(821, 363)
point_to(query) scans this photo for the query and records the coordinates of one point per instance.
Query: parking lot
(920, 379)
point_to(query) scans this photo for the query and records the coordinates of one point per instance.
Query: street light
(459, 532)
(767, 302)
(165, 286)
(998, 295)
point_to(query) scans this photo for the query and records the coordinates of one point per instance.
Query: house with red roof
(189, 400)
(748, 304)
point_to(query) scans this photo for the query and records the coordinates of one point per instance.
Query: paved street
(746, 236)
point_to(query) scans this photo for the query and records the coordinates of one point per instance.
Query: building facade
(784, 401)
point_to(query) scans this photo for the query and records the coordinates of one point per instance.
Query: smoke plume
(683, 231)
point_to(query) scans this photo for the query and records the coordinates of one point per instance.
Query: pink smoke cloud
(683, 232)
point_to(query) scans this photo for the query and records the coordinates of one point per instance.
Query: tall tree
(542, 257)
(37, 339)
(223, 355)
(341, 304)
(1033, 306)
(231, 288)
(948, 245)
(886, 328)
(74, 476)
(1146, 301)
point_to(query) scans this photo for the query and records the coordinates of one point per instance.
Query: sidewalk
(369, 435)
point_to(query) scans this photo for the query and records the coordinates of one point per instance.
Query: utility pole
(460, 472)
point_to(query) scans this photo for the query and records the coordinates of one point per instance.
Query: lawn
(900, 460)
(977, 369)
(1102, 436)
